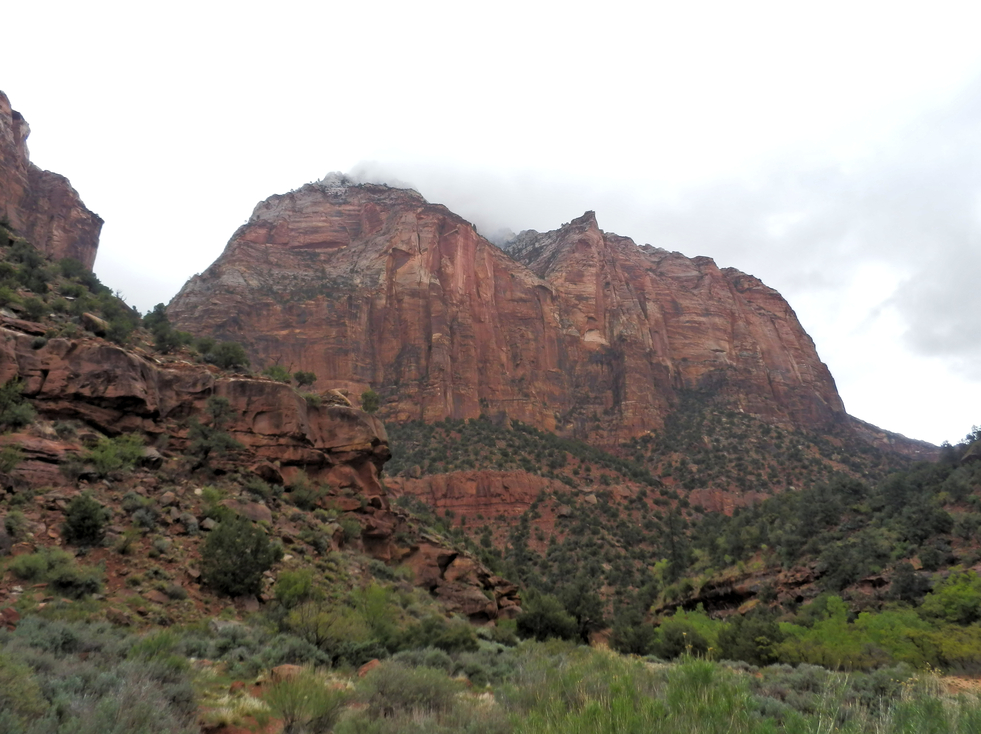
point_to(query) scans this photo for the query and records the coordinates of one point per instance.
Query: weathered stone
(344, 504)
(252, 510)
(267, 471)
(167, 499)
(151, 459)
(368, 667)
(93, 323)
(157, 597)
(42, 206)
(118, 617)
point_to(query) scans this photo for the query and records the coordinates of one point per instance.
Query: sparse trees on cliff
(304, 379)
(278, 373)
(370, 401)
(228, 356)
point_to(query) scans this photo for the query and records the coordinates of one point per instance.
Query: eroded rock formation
(575, 330)
(40, 205)
(113, 390)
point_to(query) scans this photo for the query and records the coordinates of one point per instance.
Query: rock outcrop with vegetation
(40, 205)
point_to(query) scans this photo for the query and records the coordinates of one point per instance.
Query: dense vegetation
(457, 445)
(702, 445)
(79, 677)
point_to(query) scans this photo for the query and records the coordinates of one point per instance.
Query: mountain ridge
(576, 331)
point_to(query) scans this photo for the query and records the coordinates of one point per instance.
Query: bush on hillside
(85, 521)
(235, 556)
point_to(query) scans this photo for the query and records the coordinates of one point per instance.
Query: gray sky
(831, 149)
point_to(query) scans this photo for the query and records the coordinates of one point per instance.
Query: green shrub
(211, 440)
(296, 587)
(370, 401)
(956, 599)
(304, 379)
(15, 523)
(394, 689)
(278, 373)
(434, 631)
(227, 355)
(260, 489)
(34, 308)
(327, 625)
(676, 638)
(70, 267)
(312, 399)
(235, 556)
(58, 569)
(8, 296)
(10, 458)
(204, 344)
(15, 411)
(752, 638)
(544, 617)
(75, 581)
(36, 566)
(115, 454)
(351, 528)
(85, 521)
(20, 694)
(307, 703)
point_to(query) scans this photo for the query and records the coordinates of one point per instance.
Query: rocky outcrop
(462, 584)
(577, 330)
(41, 206)
(114, 390)
(889, 441)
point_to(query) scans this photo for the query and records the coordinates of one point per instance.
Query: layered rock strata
(577, 330)
(114, 390)
(39, 205)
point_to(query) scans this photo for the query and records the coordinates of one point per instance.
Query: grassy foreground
(86, 678)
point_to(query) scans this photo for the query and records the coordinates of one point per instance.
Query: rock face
(115, 390)
(40, 205)
(576, 330)
(112, 390)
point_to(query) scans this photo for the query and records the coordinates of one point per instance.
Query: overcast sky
(831, 149)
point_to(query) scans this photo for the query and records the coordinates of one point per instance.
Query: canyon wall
(576, 331)
(39, 205)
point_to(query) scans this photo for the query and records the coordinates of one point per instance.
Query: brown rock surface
(42, 206)
(114, 390)
(574, 330)
(463, 585)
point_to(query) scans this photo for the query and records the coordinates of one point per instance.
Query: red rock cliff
(575, 330)
(40, 205)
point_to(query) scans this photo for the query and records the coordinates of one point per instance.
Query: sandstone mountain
(42, 206)
(576, 331)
